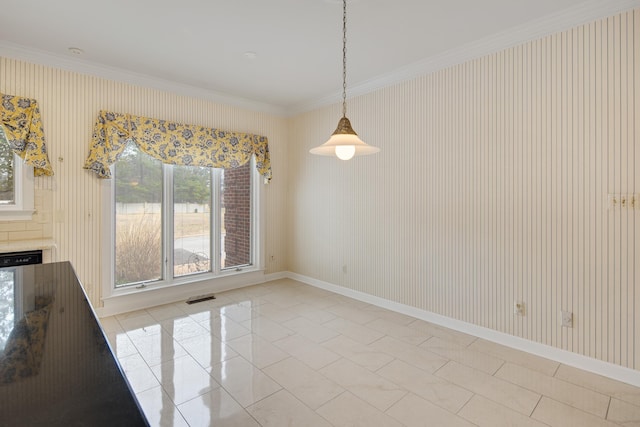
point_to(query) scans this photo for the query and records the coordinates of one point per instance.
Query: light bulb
(345, 152)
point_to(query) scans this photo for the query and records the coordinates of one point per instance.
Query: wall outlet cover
(567, 319)
(518, 308)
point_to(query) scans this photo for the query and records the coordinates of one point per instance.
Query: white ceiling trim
(11, 50)
(533, 30)
(569, 18)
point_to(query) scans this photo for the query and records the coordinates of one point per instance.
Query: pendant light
(344, 142)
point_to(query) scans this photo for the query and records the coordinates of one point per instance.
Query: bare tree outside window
(138, 194)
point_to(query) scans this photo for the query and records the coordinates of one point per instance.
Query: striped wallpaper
(69, 204)
(491, 188)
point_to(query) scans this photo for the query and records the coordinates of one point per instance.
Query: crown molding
(561, 21)
(569, 18)
(14, 51)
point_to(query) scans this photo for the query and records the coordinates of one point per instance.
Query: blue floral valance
(173, 143)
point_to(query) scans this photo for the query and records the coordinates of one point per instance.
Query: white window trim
(23, 182)
(118, 300)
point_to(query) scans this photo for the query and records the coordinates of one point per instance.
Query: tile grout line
(386, 364)
(536, 407)
(465, 404)
(606, 414)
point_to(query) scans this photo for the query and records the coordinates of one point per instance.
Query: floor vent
(200, 298)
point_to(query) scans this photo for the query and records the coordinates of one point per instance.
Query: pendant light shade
(344, 143)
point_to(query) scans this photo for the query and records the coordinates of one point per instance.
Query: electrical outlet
(623, 201)
(518, 308)
(344, 269)
(567, 319)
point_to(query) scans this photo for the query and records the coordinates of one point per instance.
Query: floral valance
(173, 143)
(21, 128)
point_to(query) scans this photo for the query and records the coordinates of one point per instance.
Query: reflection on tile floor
(287, 354)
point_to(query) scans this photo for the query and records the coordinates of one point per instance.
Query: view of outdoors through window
(138, 192)
(191, 220)
(7, 189)
(196, 204)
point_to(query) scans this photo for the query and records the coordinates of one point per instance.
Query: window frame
(24, 193)
(219, 277)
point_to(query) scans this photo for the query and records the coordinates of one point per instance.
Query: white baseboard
(606, 369)
(143, 300)
(152, 297)
(276, 276)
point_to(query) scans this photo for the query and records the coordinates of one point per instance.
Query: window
(7, 181)
(16, 185)
(174, 224)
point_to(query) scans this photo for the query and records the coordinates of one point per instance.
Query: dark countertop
(56, 366)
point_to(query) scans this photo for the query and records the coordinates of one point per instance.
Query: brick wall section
(236, 199)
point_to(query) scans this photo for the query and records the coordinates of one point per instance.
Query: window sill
(122, 301)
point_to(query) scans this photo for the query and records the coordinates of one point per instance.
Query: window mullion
(253, 208)
(216, 228)
(167, 223)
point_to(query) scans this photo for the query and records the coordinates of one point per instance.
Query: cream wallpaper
(69, 204)
(491, 188)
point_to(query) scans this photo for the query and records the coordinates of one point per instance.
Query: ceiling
(202, 44)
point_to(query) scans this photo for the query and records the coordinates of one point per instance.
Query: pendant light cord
(344, 142)
(344, 58)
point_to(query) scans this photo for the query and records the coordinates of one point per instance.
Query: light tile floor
(287, 354)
